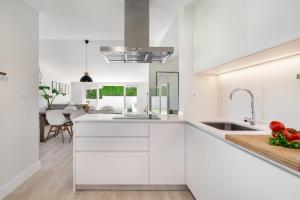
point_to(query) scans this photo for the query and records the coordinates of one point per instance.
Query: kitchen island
(174, 154)
(128, 153)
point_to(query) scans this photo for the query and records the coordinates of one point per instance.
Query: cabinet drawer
(106, 129)
(112, 144)
(96, 168)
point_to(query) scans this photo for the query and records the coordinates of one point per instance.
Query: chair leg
(55, 132)
(70, 132)
(62, 133)
(50, 130)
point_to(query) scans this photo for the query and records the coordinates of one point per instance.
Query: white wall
(170, 39)
(67, 58)
(19, 135)
(199, 92)
(276, 90)
(77, 93)
(64, 61)
(49, 74)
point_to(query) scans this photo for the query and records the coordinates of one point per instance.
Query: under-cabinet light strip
(259, 63)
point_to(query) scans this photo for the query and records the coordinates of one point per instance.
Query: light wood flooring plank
(54, 180)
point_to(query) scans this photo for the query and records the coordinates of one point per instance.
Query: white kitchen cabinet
(225, 31)
(114, 144)
(129, 153)
(220, 31)
(217, 170)
(105, 168)
(240, 175)
(167, 154)
(270, 23)
(109, 153)
(111, 129)
(200, 163)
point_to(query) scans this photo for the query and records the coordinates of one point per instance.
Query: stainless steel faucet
(251, 120)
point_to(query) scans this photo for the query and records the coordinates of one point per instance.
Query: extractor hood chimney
(136, 38)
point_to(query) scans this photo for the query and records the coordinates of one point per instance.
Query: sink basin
(228, 126)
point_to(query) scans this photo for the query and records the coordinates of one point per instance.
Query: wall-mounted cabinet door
(220, 31)
(270, 23)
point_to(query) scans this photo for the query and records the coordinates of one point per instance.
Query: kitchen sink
(228, 126)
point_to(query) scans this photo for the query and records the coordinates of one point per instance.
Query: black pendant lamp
(86, 77)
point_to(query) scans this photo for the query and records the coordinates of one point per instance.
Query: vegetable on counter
(276, 126)
(282, 136)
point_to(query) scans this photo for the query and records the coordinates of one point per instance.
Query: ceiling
(98, 19)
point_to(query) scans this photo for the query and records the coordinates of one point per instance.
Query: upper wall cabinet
(270, 23)
(219, 34)
(229, 30)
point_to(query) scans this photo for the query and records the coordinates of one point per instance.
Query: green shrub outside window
(91, 94)
(111, 91)
(131, 91)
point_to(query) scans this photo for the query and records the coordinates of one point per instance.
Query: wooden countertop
(259, 144)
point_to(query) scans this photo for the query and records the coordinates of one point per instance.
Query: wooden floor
(54, 181)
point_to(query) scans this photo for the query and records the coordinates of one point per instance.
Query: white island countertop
(197, 123)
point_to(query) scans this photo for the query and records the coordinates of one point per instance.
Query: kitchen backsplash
(275, 87)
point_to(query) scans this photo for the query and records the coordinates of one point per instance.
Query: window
(123, 98)
(111, 91)
(131, 99)
(131, 91)
(91, 94)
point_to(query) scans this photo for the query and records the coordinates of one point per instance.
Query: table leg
(42, 128)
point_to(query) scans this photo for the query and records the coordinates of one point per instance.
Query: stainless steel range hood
(136, 38)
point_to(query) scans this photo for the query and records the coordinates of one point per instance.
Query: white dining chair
(58, 124)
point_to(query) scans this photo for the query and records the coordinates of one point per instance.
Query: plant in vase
(49, 95)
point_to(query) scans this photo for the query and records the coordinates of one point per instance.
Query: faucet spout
(251, 120)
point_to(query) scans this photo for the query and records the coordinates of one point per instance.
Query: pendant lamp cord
(86, 43)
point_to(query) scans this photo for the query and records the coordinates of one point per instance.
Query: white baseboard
(19, 179)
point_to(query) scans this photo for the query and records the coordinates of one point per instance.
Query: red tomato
(276, 126)
(296, 136)
(288, 135)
